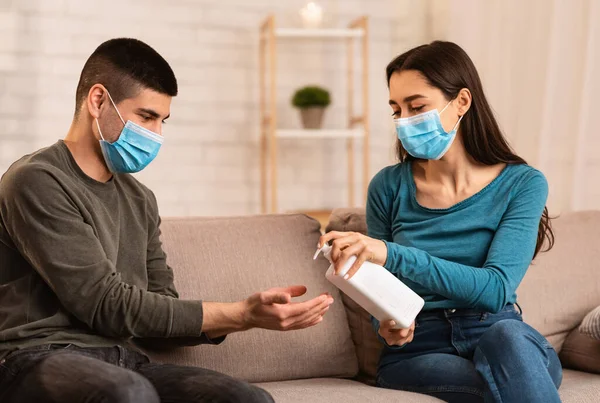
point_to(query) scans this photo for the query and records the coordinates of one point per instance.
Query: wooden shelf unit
(358, 124)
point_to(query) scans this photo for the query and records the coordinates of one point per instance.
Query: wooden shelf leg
(351, 121)
(273, 114)
(263, 131)
(366, 115)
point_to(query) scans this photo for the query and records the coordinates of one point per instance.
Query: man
(83, 275)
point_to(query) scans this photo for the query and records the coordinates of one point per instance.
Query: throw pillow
(591, 324)
(581, 352)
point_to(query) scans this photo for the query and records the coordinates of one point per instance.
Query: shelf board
(318, 33)
(320, 133)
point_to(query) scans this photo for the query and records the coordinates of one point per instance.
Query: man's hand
(272, 309)
(396, 337)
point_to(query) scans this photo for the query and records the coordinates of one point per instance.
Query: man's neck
(85, 148)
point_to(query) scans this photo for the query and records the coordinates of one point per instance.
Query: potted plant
(311, 101)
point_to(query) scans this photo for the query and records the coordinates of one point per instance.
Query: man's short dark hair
(125, 66)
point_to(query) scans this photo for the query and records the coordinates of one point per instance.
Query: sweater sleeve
(49, 231)
(160, 274)
(489, 287)
(379, 210)
(161, 281)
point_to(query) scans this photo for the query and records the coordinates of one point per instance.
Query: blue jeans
(472, 356)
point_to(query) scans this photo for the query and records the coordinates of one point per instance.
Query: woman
(459, 220)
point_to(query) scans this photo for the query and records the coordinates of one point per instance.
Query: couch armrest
(348, 219)
(368, 346)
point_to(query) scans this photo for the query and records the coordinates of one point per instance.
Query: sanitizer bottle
(377, 290)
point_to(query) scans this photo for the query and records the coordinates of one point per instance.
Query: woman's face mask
(423, 135)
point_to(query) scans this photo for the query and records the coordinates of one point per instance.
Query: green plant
(311, 96)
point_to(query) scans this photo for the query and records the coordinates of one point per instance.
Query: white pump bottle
(377, 290)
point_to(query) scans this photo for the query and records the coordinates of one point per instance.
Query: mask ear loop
(459, 119)
(456, 125)
(118, 113)
(99, 131)
(113, 103)
(449, 102)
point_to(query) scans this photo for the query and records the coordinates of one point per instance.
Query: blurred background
(539, 61)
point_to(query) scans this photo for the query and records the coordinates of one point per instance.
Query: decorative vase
(312, 118)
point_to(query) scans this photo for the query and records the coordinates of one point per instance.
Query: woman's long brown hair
(448, 67)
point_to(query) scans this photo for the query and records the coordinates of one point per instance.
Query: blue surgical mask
(135, 148)
(423, 135)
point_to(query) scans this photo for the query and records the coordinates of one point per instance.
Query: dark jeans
(470, 356)
(66, 373)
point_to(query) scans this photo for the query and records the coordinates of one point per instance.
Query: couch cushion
(368, 346)
(339, 390)
(228, 259)
(579, 387)
(581, 352)
(560, 287)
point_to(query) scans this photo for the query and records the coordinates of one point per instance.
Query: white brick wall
(209, 163)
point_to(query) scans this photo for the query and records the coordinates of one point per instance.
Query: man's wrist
(223, 318)
(241, 316)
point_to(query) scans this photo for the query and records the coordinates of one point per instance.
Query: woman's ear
(464, 101)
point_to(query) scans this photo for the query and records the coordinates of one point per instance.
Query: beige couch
(227, 259)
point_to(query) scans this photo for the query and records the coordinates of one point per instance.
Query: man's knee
(250, 394)
(202, 385)
(233, 390)
(130, 388)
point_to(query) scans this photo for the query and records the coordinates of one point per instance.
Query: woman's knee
(510, 336)
(431, 372)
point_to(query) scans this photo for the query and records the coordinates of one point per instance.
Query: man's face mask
(135, 148)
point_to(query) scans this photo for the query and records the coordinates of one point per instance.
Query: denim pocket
(491, 318)
(16, 360)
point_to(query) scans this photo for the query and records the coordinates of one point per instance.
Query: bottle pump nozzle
(326, 249)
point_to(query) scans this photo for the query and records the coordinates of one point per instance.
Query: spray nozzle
(326, 249)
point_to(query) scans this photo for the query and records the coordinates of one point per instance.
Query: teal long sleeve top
(471, 255)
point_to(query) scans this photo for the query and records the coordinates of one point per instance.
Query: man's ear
(95, 99)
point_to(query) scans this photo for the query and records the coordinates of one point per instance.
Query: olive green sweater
(81, 261)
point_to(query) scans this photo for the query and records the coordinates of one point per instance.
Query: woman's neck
(455, 171)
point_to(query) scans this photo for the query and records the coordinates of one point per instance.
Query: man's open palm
(273, 309)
